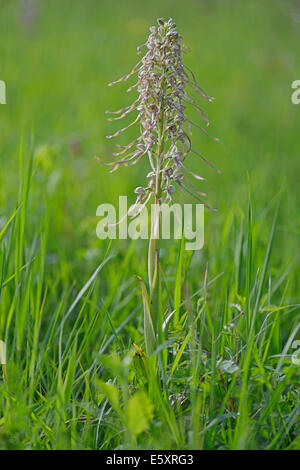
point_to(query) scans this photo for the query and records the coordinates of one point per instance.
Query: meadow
(71, 305)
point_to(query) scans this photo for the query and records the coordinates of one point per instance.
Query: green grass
(71, 305)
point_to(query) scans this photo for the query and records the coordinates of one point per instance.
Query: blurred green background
(57, 57)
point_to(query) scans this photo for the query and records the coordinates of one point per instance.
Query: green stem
(153, 258)
(153, 252)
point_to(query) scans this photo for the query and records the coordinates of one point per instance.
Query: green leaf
(9, 220)
(112, 363)
(110, 391)
(150, 338)
(138, 412)
(178, 283)
(228, 366)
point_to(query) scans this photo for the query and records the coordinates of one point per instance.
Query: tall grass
(71, 306)
(74, 380)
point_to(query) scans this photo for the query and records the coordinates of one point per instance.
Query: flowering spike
(162, 82)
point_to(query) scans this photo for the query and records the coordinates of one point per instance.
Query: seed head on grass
(165, 129)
